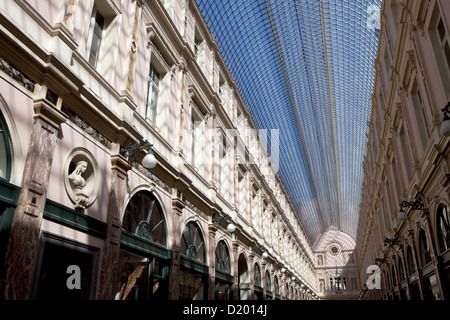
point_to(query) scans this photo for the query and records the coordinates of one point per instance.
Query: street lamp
(445, 125)
(130, 150)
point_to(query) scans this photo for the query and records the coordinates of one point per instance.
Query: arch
(410, 261)
(144, 217)
(257, 275)
(144, 258)
(223, 258)
(443, 227)
(192, 242)
(424, 249)
(243, 277)
(223, 278)
(276, 287)
(401, 270)
(16, 161)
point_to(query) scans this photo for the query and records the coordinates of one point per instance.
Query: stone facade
(149, 80)
(408, 158)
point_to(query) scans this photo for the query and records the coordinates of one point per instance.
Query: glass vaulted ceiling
(306, 67)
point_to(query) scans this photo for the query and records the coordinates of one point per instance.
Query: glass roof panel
(305, 67)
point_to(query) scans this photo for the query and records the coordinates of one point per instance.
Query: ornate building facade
(407, 163)
(82, 80)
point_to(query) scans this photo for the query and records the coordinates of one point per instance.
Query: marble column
(212, 262)
(174, 276)
(236, 271)
(110, 258)
(21, 255)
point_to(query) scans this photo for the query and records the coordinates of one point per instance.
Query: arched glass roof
(306, 67)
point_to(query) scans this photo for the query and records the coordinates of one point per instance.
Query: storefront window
(443, 224)
(423, 248)
(143, 256)
(66, 270)
(224, 280)
(193, 272)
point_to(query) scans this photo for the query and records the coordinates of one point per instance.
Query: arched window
(5, 151)
(224, 280)
(268, 282)
(143, 217)
(257, 276)
(394, 278)
(287, 291)
(193, 271)
(424, 251)
(223, 262)
(257, 282)
(144, 258)
(276, 288)
(401, 271)
(411, 265)
(192, 244)
(443, 226)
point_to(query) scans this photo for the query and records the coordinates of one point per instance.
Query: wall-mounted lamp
(416, 205)
(379, 261)
(130, 150)
(283, 270)
(387, 241)
(293, 278)
(258, 249)
(217, 220)
(445, 125)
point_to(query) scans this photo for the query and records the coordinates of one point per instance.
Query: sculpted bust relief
(81, 182)
(77, 175)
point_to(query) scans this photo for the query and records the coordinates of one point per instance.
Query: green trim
(5, 131)
(224, 276)
(194, 265)
(9, 193)
(74, 219)
(136, 243)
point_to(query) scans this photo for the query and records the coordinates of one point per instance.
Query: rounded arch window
(5, 151)
(424, 250)
(143, 217)
(257, 276)
(410, 259)
(223, 262)
(268, 285)
(276, 285)
(400, 269)
(443, 226)
(192, 244)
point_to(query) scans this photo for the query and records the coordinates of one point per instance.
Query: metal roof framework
(305, 67)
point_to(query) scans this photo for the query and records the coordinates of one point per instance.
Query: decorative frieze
(17, 75)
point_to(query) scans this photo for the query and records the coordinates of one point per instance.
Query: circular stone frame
(91, 176)
(334, 250)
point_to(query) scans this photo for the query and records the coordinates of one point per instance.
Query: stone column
(109, 261)
(412, 243)
(236, 271)
(433, 251)
(174, 276)
(21, 255)
(251, 270)
(263, 278)
(212, 262)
